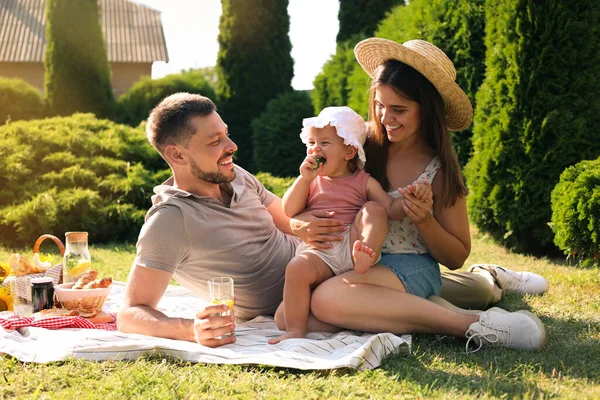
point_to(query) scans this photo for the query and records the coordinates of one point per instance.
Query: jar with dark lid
(42, 293)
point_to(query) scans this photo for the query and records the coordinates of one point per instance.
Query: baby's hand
(311, 167)
(421, 190)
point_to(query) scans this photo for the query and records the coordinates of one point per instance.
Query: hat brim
(371, 53)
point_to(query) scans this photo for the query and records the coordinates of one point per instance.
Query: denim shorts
(419, 273)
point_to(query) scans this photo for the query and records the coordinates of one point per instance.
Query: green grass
(569, 366)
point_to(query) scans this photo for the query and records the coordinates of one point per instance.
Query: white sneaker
(513, 281)
(517, 330)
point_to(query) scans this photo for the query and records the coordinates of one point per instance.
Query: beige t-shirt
(197, 238)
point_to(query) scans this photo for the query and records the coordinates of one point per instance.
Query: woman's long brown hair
(411, 85)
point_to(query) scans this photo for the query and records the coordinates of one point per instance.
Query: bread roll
(99, 283)
(85, 278)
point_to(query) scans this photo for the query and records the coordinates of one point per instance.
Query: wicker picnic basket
(55, 272)
(23, 282)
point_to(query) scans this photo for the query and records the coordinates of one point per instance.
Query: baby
(332, 178)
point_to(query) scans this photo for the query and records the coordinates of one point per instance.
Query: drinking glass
(221, 292)
(21, 292)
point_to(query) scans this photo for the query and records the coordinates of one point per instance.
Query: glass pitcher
(77, 258)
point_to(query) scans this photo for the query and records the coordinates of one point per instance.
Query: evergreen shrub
(75, 173)
(276, 134)
(135, 105)
(19, 100)
(576, 212)
(538, 112)
(275, 184)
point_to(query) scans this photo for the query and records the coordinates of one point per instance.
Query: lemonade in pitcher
(77, 258)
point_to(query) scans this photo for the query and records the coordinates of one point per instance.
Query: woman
(414, 102)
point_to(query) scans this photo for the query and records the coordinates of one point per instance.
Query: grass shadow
(502, 368)
(440, 363)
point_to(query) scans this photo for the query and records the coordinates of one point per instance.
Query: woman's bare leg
(302, 274)
(377, 302)
(367, 235)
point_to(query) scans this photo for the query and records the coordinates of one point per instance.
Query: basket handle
(38, 243)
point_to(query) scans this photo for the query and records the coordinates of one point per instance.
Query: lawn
(569, 366)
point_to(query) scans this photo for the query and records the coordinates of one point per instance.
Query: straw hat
(431, 62)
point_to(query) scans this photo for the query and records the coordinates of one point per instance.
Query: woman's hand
(318, 228)
(419, 211)
(208, 328)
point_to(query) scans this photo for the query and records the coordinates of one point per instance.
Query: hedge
(19, 100)
(135, 105)
(276, 185)
(75, 173)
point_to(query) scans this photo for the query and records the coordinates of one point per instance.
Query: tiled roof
(132, 32)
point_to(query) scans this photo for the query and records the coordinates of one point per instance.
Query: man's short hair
(169, 121)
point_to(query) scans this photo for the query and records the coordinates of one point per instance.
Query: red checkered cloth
(15, 322)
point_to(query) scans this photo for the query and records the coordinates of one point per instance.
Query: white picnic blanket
(318, 351)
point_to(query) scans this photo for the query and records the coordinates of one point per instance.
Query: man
(213, 218)
(210, 219)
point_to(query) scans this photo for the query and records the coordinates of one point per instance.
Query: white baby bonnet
(349, 126)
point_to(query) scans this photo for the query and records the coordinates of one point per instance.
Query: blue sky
(191, 28)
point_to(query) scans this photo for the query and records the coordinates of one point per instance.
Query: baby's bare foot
(363, 256)
(288, 335)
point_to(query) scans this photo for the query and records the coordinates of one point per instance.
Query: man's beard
(215, 178)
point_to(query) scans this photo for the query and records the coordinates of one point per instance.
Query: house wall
(32, 73)
(123, 76)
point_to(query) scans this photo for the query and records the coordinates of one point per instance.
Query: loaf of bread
(20, 265)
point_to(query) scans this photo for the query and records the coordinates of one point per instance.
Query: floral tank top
(403, 236)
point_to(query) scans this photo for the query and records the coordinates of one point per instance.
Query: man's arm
(145, 287)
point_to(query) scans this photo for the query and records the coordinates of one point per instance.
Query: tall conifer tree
(358, 20)
(254, 64)
(77, 75)
(361, 17)
(538, 112)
